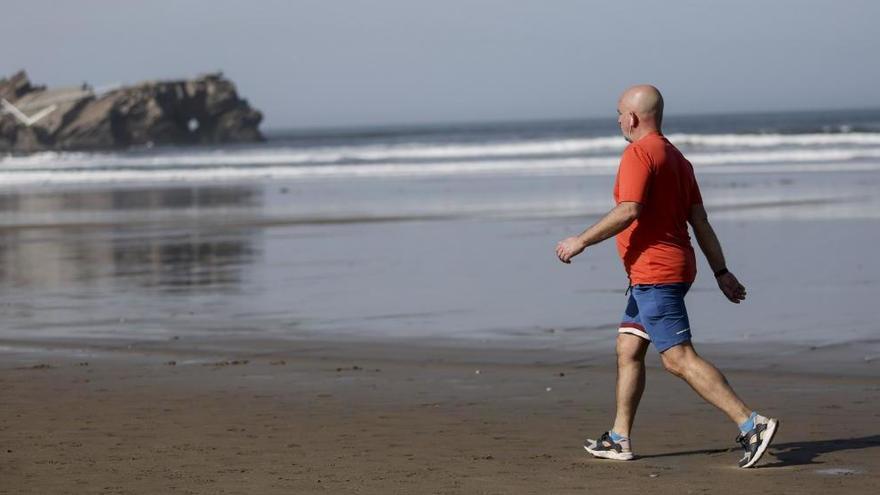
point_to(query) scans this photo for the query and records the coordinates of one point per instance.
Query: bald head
(641, 111)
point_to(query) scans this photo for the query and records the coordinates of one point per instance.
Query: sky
(327, 63)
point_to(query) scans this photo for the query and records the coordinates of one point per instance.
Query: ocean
(441, 232)
(757, 143)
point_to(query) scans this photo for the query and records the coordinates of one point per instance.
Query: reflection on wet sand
(54, 200)
(62, 255)
(179, 264)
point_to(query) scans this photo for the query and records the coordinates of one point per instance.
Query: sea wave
(741, 162)
(269, 155)
(775, 140)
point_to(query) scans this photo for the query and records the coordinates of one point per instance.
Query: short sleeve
(634, 176)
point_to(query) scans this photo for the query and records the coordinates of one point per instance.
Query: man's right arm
(708, 241)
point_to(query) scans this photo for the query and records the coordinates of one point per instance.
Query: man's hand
(732, 289)
(614, 222)
(568, 248)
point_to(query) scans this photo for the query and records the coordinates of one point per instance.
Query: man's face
(624, 120)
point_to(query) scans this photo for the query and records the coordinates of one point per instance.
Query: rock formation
(203, 110)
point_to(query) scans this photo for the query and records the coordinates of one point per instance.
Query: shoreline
(851, 359)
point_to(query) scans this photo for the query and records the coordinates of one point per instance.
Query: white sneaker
(606, 448)
(756, 440)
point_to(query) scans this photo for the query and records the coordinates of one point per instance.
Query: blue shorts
(656, 313)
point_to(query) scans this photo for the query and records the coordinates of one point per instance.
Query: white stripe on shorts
(634, 331)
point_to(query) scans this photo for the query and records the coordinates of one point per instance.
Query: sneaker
(606, 448)
(756, 441)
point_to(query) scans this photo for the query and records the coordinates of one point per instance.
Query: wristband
(721, 272)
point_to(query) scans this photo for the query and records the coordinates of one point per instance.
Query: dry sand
(343, 418)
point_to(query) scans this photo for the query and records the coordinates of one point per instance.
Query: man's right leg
(632, 344)
(630, 380)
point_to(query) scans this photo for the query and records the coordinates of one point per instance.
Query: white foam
(826, 155)
(775, 140)
(300, 172)
(271, 155)
(762, 162)
(288, 155)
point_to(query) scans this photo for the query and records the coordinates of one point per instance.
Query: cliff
(203, 110)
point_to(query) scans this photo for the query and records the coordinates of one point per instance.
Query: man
(657, 195)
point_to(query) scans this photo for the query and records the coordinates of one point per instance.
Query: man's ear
(633, 120)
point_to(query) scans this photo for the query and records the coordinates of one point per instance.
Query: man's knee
(677, 359)
(630, 349)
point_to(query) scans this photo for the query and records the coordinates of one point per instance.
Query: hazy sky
(360, 62)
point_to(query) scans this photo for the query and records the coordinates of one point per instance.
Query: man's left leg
(684, 362)
(756, 431)
(665, 319)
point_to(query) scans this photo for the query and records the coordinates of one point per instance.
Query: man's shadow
(799, 453)
(795, 453)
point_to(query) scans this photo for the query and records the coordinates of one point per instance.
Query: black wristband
(721, 272)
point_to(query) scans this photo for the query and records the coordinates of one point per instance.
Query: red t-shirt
(656, 248)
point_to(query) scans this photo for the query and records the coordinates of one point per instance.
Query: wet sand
(325, 417)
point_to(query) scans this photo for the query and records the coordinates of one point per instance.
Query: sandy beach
(312, 417)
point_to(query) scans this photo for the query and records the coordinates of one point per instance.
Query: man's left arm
(613, 223)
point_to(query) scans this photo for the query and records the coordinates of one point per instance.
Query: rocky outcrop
(203, 110)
